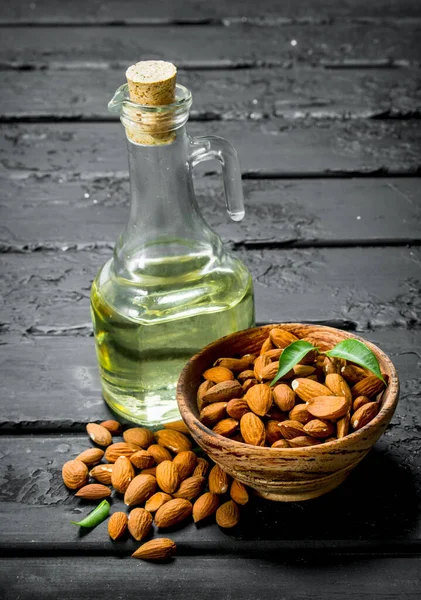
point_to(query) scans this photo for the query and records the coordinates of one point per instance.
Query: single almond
(139, 523)
(122, 474)
(328, 407)
(156, 501)
(173, 512)
(291, 429)
(274, 354)
(300, 413)
(117, 525)
(364, 415)
(91, 457)
(337, 384)
(259, 398)
(249, 383)
(223, 392)
(201, 391)
(218, 481)
(333, 365)
(75, 474)
(228, 515)
(205, 506)
(266, 346)
(238, 492)
(99, 434)
(304, 440)
(284, 397)
(140, 489)
(303, 370)
(369, 386)
(191, 487)
(359, 401)
(244, 375)
(120, 449)
(158, 549)
(342, 426)
(93, 491)
(212, 413)
(140, 436)
(260, 363)
(226, 427)
(202, 467)
(167, 476)
(237, 407)
(280, 444)
(252, 429)
(114, 427)
(319, 428)
(282, 338)
(173, 440)
(186, 463)
(306, 389)
(249, 357)
(159, 453)
(270, 371)
(102, 473)
(236, 365)
(218, 374)
(353, 374)
(142, 459)
(177, 426)
(273, 433)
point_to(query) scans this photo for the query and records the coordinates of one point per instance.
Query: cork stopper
(151, 83)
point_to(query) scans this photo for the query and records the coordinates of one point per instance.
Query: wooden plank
(48, 293)
(61, 391)
(44, 214)
(167, 11)
(237, 94)
(346, 44)
(266, 149)
(189, 578)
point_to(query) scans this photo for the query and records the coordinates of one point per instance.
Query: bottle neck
(165, 224)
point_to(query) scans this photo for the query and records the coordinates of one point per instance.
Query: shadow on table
(379, 501)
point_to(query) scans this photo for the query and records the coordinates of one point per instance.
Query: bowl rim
(390, 400)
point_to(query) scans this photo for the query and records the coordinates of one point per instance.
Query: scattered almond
(158, 549)
(173, 440)
(191, 487)
(205, 506)
(102, 473)
(93, 491)
(167, 476)
(177, 426)
(238, 492)
(159, 453)
(186, 463)
(228, 515)
(218, 481)
(114, 427)
(140, 489)
(122, 474)
(91, 457)
(140, 436)
(117, 525)
(202, 467)
(139, 523)
(142, 459)
(156, 501)
(120, 449)
(99, 434)
(173, 512)
(75, 474)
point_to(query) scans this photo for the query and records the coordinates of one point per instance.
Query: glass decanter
(170, 287)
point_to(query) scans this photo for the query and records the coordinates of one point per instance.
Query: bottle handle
(213, 147)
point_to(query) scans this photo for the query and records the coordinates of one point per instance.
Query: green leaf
(358, 353)
(291, 356)
(95, 517)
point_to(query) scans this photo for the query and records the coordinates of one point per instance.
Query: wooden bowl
(283, 474)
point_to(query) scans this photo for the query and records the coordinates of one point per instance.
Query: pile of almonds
(319, 400)
(160, 479)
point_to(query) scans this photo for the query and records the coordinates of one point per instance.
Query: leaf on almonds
(96, 516)
(357, 352)
(292, 356)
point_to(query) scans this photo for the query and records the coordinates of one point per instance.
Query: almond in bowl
(300, 437)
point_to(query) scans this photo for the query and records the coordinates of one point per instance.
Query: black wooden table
(323, 101)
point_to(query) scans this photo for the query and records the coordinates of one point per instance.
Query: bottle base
(149, 409)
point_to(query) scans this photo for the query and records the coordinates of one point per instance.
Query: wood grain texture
(60, 389)
(269, 148)
(296, 93)
(346, 44)
(168, 11)
(48, 293)
(188, 578)
(45, 214)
